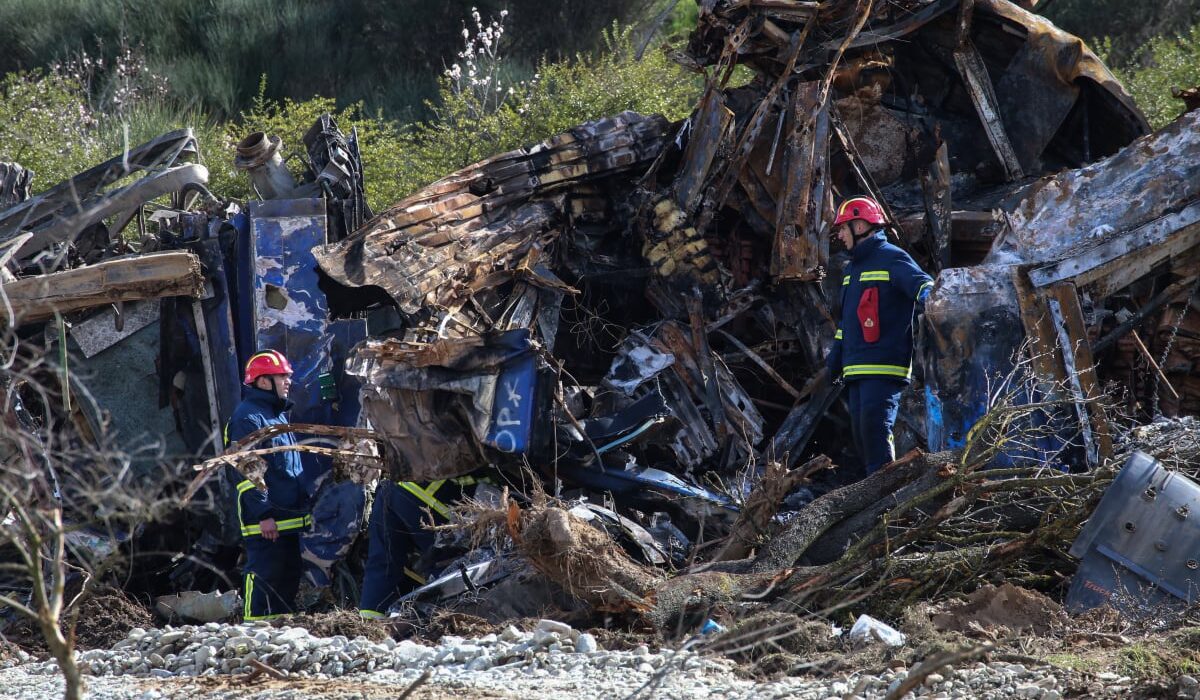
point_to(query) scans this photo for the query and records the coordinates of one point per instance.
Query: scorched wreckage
(633, 316)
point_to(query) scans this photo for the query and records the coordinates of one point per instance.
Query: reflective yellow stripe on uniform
(838, 335)
(875, 276)
(883, 370)
(370, 614)
(846, 280)
(242, 488)
(246, 608)
(281, 525)
(426, 496)
(922, 288)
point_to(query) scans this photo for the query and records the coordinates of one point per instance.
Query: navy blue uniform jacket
(881, 290)
(286, 499)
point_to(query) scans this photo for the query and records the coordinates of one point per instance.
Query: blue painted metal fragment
(512, 409)
(291, 314)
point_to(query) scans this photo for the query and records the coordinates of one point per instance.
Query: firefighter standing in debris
(398, 543)
(270, 521)
(882, 290)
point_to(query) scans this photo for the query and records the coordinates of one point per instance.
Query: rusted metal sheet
(799, 220)
(708, 130)
(111, 282)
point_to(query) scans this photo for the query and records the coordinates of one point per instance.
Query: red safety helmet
(264, 364)
(861, 208)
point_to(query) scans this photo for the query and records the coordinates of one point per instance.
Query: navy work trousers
(272, 575)
(395, 536)
(874, 403)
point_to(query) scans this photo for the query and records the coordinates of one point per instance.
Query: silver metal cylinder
(259, 156)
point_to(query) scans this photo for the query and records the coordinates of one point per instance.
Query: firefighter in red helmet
(882, 290)
(271, 520)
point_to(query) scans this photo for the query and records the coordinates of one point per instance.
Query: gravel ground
(212, 661)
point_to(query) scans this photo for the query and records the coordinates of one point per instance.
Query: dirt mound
(347, 623)
(992, 607)
(106, 617)
(446, 622)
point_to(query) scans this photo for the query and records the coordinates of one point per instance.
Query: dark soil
(106, 617)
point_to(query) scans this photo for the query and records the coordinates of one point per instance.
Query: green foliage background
(386, 54)
(52, 123)
(84, 78)
(1164, 63)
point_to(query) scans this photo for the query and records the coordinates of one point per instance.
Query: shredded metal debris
(628, 321)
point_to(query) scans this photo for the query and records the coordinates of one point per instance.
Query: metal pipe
(259, 156)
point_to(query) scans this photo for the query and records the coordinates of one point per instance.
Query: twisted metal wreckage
(641, 309)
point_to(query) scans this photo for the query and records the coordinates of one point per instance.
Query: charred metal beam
(797, 429)
(797, 251)
(983, 93)
(708, 371)
(1063, 302)
(935, 184)
(1044, 353)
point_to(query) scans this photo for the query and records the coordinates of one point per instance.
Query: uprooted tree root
(582, 559)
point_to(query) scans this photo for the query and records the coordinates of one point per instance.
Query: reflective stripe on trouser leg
(273, 571)
(875, 404)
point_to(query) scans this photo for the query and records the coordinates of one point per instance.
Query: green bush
(49, 123)
(1170, 62)
(47, 126)
(473, 121)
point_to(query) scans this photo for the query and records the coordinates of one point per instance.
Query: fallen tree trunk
(152, 276)
(786, 548)
(763, 503)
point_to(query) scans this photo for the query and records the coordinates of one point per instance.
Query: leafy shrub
(46, 125)
(49, 123)
(480, 112)
(487, 103)
(1170, 62)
